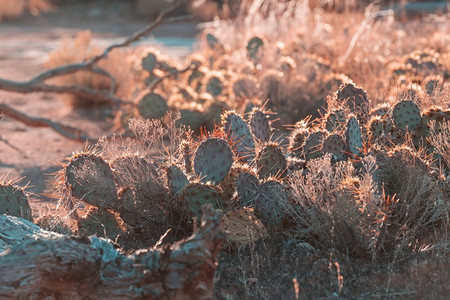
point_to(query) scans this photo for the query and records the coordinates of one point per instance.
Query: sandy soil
(24, 47)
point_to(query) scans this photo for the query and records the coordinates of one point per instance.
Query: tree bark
(37, 264)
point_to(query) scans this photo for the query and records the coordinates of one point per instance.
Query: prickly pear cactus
(355, 98)
(14, 202)
(176, 179)
(90, 179)
(297, 140)
(406, 115)
(271, 161)
(193, 119)
(195, 195)
(380, 126)
(438, 115)
(335, 145)
(247, 186)
(353, 136)
(335, 120)
(242, 227)
(255, 50)
(244, 88)
(153, 106)
(271, 203)
(149, 62)
(239, 133)
(213, 160)
(312, 147)
(381, 110)
(101, 223)
(214, 85)
(260, 125)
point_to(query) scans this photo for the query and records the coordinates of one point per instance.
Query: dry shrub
(81, 48)
(334, 208)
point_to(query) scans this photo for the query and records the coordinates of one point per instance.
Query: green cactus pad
(297, 140)
(214, 86)
(438, 115)
(152, 106)
(192, 119)
(381, 110)
(14, 202)
(335, 145)
(195, 195)
(255, 49)
(312, 147)
(91, 179)
(245, 88)
(260, 125)
(176, 179)
(335, 120)
(213, 160)
(271, 203)
(238, 133)
(406, 115)
(380, 126)
(149, 62)
(101, 223)
(355, 98)
(353, 136)
(247, 187)
(271, 161)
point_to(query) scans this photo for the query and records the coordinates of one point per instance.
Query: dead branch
(37, 84)
(64, 130)
(40, 264)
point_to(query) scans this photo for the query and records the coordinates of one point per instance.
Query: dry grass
(81, 48)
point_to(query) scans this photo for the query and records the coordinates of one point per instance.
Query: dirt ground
(24, 47)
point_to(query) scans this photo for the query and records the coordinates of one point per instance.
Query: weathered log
(37, 264)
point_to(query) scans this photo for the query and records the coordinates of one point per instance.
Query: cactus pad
(239, 134)
(214, 86)
(149, 62)
(90, 179)
(255, 49)
(152, 106)
(355, 98)
(297, 140)
(176, 179)
(101, 223)
(335, 120)
(195, 195)
(271, 203)
(14, 202)
(247, 187)
(242, 227)
(260, 125)
(335, 145)
(406, 115)
(353, 136)
(270, 161)
(213, 160)
(312, 147)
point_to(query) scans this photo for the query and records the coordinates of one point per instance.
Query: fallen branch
(37, 84)
(64, 130)
(40, 264)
